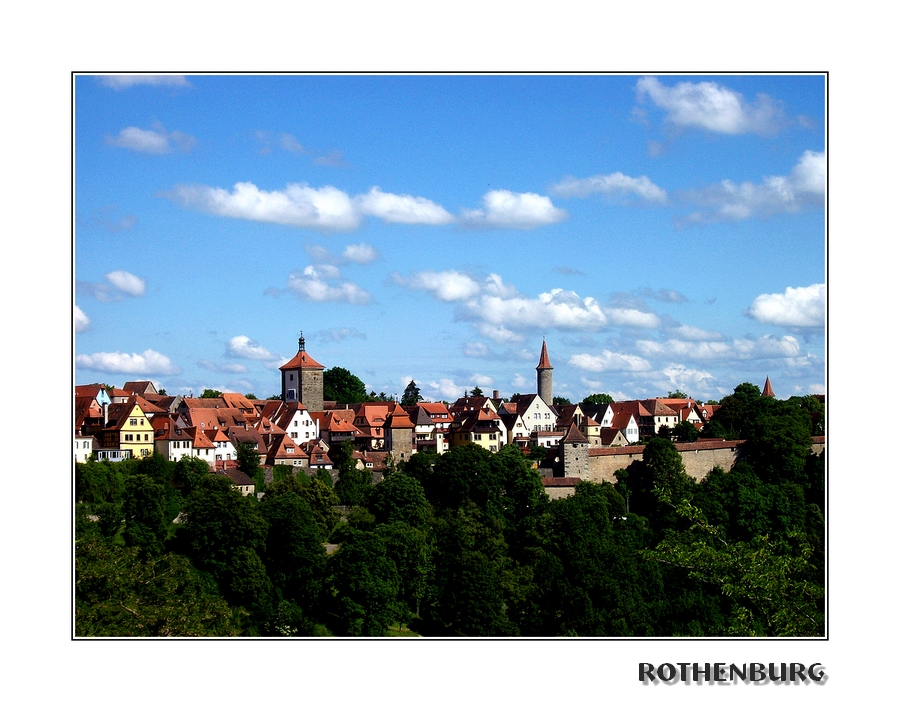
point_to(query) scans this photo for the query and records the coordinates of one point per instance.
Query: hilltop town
(572, 442)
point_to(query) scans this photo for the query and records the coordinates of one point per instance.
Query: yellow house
(128, 428)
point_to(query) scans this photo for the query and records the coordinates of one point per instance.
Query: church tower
(545, 376)
(302, 380)
(767, 389)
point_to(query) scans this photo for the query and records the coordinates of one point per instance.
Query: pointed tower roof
(545, 359)
(302, 359)
(767, 389)
(574, 435)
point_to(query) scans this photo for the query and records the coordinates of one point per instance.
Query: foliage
(250, 396)
(678, 394)
(560, 400)
(477, 392)
(210, 393)
(364, 586)
(685, 432)
(118, 592)
(342, 386)
(411, 395)
(598, 399)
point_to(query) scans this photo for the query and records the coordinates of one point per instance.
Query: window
(129, 437)
(292, 377)
(144, 452)
(132, 421)
(146, 436)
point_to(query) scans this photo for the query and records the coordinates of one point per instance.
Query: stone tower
(545, 376)
(302, 380)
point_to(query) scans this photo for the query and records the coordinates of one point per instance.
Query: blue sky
(660, 232)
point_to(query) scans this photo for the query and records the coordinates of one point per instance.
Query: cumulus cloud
(124, 81)
(445, 389)
(713, 107)
(609, 361)
(148, 363)
(405, 209)
(156, 140)
(505, 209)
(106, 219)
(80, 319)
(614, 185)
(245, 347)
(688, 380)
(633, 318)
(738, 349)
(693, 333)
(795, 307)
(502, 311)
(664, 295)
(126, 282)
(803, 188)
(120, 283)
(447, 286)
(312, 285)
(297, 205)
(361, 254)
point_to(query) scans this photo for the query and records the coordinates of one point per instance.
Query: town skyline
(660, 232)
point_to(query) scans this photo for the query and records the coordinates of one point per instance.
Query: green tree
(342, 386)
(598, 399)
(678, 393)
(411, 395)
(294, 555)
(210, 393)
(144, 509)
(189, 472)
(248, 458)
(477, 392)
(121, 593)
(685, 432)
(250, 396)
(398, 498)
(560, 400)
(364, 586)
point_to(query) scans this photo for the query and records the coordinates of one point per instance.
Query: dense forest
(465, 544)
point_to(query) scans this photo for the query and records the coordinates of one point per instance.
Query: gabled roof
(118, 413)
(141, 388)
(236, 400)
(657, 408)
(398, 417)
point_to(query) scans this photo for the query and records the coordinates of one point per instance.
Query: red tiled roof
(561, 481)
(574, 435)
(302, 360)
(545, 359)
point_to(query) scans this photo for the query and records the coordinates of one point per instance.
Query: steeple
(545, 359)
(545, 376)
(302, 343)
(767, 389)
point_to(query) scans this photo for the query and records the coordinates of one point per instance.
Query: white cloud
(711, 106)
(80, 319)
(155, 141)
(688, 380)
(797, 307)
(445, 389)
(126, 282)
(298, 205)
(519, 381)
(245, 347)
(406, 209)
(322, 271)
(558, 308)
(609, 361)
(120, 282)
(633, 318)
(693, 333)
(147, 363)
(124, 81)
(505, 209)
(361, 254)
(447, 286)
(613, 184)
(739, 349)
(311, 286)
(803, 188)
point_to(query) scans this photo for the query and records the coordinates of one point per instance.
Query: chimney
(496, 395)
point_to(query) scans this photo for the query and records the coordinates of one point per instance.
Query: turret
(545, 376)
